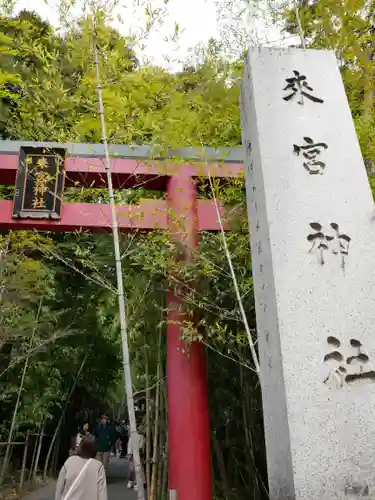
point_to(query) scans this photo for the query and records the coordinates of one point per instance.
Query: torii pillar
(189, 459)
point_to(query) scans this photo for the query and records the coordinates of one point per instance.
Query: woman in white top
(84, 432)
(82, 477)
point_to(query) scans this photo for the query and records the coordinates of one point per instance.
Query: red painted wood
(126, 173)
(189, 458)
(148, 215)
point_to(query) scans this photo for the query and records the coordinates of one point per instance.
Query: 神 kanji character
(298, 86)
(323, 242)
(41, 183)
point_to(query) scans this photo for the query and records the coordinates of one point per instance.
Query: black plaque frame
(26, 180)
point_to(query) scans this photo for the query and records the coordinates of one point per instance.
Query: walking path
(117, 480)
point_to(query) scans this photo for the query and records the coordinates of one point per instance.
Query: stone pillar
(313, 252)
(189, 461)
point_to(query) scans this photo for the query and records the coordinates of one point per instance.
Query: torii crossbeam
(189, 462)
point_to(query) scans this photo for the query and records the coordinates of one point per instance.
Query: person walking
(124, 440)
(104, 441)
(114, 436)
(82, 477)
(84, 432)
(118, 440)
(138, 441)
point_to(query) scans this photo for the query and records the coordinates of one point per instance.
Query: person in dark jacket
(104, 441)
(114, 436)
(124, 440)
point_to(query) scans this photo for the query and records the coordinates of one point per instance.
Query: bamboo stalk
(156, 425)
(220, 463)
(61, 419)
(164, 489)
(233, 275)
(4, 343)
(36, 463)
(35, 350)
(24, 458)
(56, 451)
(161, 449)
(14, 419)
(34, 455)
(148, 426)
(120, 290)
(252, 465)
(119, 412)
(3, 255)
(5, 443)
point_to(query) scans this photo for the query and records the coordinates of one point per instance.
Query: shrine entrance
(40, 171)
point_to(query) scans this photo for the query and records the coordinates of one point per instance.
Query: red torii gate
(189, 460)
